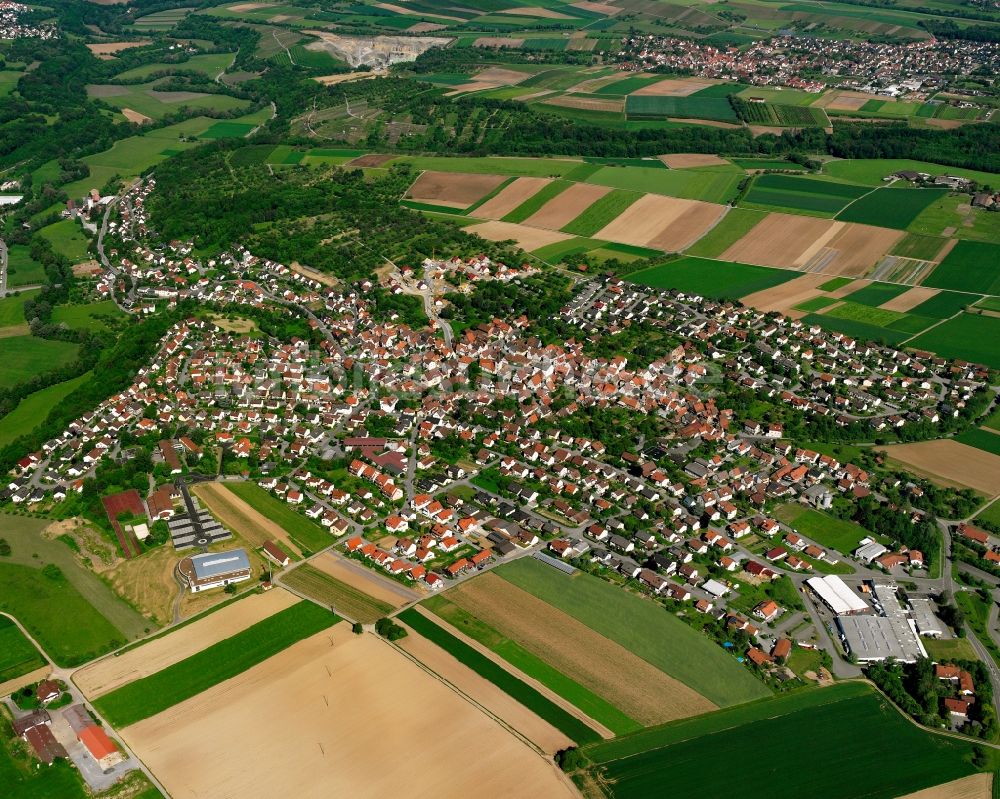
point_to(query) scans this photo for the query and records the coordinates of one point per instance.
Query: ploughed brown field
(951, 463)
(782, 240)
(510, 197)
(674, 87)
(338, 714)
(452, 189)
(566, 206)
(528, 238)
(113, 672)
(859, 248)
(662, 223)
(608, 669)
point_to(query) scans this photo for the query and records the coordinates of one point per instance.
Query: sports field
(17, 655)
(640, 626)
(305, 533)
(22, 357)
(830, 729)
(970, 266)
(150, 695)
(336, 594)
(827, 531)
(717, 279)
(968, 336)
(482, 665)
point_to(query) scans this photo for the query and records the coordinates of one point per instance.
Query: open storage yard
(358, 717)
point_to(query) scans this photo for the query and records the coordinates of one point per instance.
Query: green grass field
(504, 680)
(93, 316)
(825, 530)
(922, 248)
(871, 171)
(970, 266)
(794, 193)
(22, 781)
(969, 336)
(815, 304)
(537, 200)
(716, 279)
(693, 107)
(830, 729)
(980, 439)
(344, 599)
(601, 213)
(68, 239)
(150, 695)
(22, 269)
(731, 228)
(528, 167)
(892, 208)
(22, 357)
(876, 293)
(210, 64)
(642, 627)
(35, 408)
(534, 665)
(950, 216)
(945, 304)
(854, 327)
(17, 654)
(12, 309)
(308, 535)
(691, 184)
(836, 283)
(66, 626)
(148, 100)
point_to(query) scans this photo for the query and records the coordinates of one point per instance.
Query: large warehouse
(213, 569)
(837, 596)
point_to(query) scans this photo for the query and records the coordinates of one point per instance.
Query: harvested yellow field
(527, 238)
(910, 299)
(951, 463)
(363, 579)
(663, 223)
(357, 718)
(689, 160)
(674, 87)
(975, 786)
(135, 116)
(113, 672)
(534, 11)
(587, 103)
(780, 240)
(843, 100)
(148, 582)
(510, 197)
(858, 249)
(608, 669)
(600, 8)
(452, 189)
(110, 48)
(241, 517)
(566, 206)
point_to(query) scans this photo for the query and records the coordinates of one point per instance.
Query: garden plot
(452, 189)
(662, 223)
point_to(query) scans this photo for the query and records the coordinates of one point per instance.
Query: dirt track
(952, 462)
(452, 189)
(566, 206)
(510, 197)
(113, 672)
(356, 718)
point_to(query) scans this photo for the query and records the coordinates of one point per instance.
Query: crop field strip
(603, 666)
(640, 626)
(712, 278)
(838, 755)
(602, 213)
(482, 665)
(970, 266)
(534, 203)
(891, 207)
(151, 695)
(802, 194)
(306, 534)
(335, 594)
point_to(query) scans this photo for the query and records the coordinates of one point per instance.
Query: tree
(357, 628)
(230, 588)
(570, 759)
(4, 548)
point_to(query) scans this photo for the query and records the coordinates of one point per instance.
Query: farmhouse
(100, 747)
(275, 553)
(213, 569)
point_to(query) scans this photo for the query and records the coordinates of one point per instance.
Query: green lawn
(731, 228)
(825, 530)
(830, 729)
(150, 695)
(69, 629)
(504, 680)
(871, 171)
(22, 357)
(17, 654)
(598, 708)
(968, 336)
(93, 317)
(716, 279)
(20, 780)
(309, 536)
(35, 408)
(642, 627)
(68, 239)
(12, 309)
(691, 184)
(601, 213)
(22, 269)
(950, 649)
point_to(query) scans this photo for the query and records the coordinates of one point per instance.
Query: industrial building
(837, 596)
(214, 569)
(927, 623)
(890, 635)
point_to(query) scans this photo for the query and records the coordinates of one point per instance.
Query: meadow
(892, 208)
(337, 595)
(68, 239)
(980, 439)
(209, 64)
(596, 707)
(93, 317)
(876, 293)
(150, 695)
(61, 779)
(831, 729)
(22, 357)
(67, 626)
(825, 530)
(715, 279)
(871, 171)
(17, 654)
(508, 683)
(944, 304)
(146, 100)
(22, 269)
(12, 309)
(309, 536)
(526, 167)
(642, 627)
(970, 266)
(709, 185)
(919, 247)
(35, 408)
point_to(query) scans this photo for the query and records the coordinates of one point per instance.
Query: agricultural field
(640, 626)
(892, 208)
(12, 310)
(147, 101)
(838, 755)
(339, 730)
(827, 531)
(208, 64)
(567, 723)
(918, 247)
(35, 408)
(335, 594)
(709, 278)
(94, 317)
(872, 171)
(229, 657)
(980, 439)
(23, 780)
(773, 114)
(801, 194)
(710, 185)
(534, 203)
(601, 213)
(22, 357)
(950, 463)
(305, 533)
(875, 294)
(731, 228)
(651, 107)
(968, 336)
(17, 655)
(67, 238)
(970, 266)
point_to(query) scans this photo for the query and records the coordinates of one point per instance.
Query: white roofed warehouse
(837, 596)
(213, 569)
